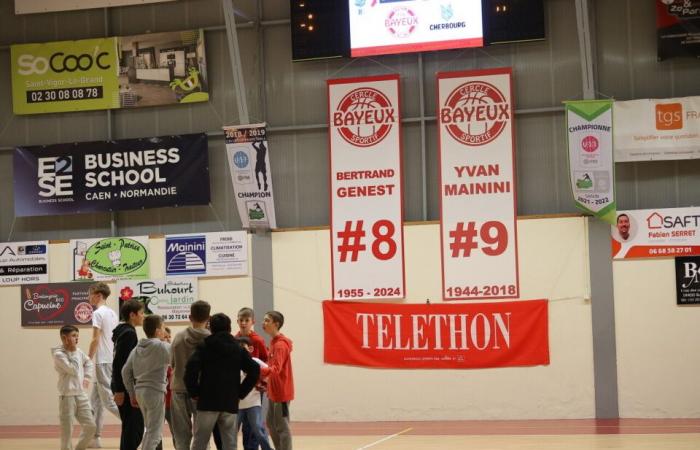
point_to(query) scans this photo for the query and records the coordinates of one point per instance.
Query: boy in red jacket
(280, 387)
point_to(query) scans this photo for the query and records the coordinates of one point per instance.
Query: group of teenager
(207, 383)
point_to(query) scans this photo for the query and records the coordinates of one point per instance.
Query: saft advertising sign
(55, 304)
(110, 258)
(24, 262)
(112, 175)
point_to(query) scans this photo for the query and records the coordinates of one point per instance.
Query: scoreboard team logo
(364, 117)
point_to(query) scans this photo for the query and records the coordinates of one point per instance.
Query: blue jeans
(251, 418)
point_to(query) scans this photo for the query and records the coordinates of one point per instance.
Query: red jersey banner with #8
(477, 185)
(447, 336)
(366, 188)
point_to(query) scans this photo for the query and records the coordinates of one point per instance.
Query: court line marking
(384, 439)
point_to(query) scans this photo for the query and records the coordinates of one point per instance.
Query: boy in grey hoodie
(144, 376)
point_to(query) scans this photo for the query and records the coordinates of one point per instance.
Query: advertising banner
(170, 299)
(111, 175)
(55, 304)
(108, 73)
(43, 6)
(678, 28)
(688, 280)
(367, 253)
(656, 233)
(655, 130)
(252, 182)
(107, 259)
(207, 255)
(478, 229)
(24, 262)
(443, 336)
(589, 129)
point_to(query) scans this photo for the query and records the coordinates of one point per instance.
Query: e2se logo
(60, 62)
(55, 176)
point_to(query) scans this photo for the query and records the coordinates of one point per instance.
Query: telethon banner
(97, 176)
(55, 304)
(479, 240)
(24, 262)
(656, 233)
(436, 336)
(678, 28)
(108, 73)
(656, 130)
(170, 299)
(207, 255)
(249, 165)
(108, 259)
(589, 128)
(688, 280)
(367, 251)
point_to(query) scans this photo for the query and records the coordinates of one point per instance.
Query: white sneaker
(96, 443)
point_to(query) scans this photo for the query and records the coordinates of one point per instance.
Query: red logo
(126, 293)
(83, 312)
(364, 117)
(669, 116)
(475, 113)
(401, 22)
(589, 144)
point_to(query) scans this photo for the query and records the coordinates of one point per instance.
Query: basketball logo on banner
(364, 117)
(475, 113)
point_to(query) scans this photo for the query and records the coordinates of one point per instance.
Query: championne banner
(113, 175)
(477, 185)
(249, 164)
(656, 233)
(24, 262)
(367, 255)
(446, 336)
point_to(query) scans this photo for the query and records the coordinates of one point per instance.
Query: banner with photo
(207, 255)
(688, 280)
(678, 28)
(589, 127)
(55, 304)
(436, 336)
(112, 258)
(367, 246)
(88, 177)
(24, 262)
(478, 228)
(170, 299)
(108, 73)
(656, 233)
(249, 164)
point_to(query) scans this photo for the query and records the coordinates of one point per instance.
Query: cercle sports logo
(475, 113)
(61, 62)
(364, 117)
(590, 144)
(401, 22)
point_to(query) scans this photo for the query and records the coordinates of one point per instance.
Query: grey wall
(291, 97)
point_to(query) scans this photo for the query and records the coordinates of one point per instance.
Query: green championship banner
(108, 73)
(590, 149)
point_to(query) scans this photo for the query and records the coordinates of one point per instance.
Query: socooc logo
(364, 117)
(61, 62)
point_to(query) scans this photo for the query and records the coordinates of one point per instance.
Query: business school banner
(111, 175)
(207, 255)
(656, 233)
(108, 73)
(678, 28)
(367, 251)
(55, 304)
(110, 258)
(249, 165)
(478, 229)
(24, 262)
(657, 129)
(436, 336)
(589, 126)
(688, 280)
(170, 299)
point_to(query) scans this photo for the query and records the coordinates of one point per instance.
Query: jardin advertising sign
(170, 299)
(110, 258)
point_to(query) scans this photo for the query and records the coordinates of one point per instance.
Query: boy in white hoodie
(74, 373)
(145, 380)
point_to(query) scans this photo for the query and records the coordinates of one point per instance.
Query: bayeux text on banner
(478, 228)
(589, 129)
(111, 175)
(656, 233)
(367, 254)
(444, 336)
(24, 262)
(55, 304)
(249, 164)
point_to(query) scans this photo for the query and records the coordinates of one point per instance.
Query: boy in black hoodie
(125, 339)
(213, 379)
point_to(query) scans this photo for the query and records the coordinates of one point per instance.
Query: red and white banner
(477, 185)
(444, 336)
(656, 233)
(366, 188)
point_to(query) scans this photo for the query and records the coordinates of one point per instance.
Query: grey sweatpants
(77, 406)
(102, 397)
(278, 425)
(204, 425)
(152, 405)
(184, 411)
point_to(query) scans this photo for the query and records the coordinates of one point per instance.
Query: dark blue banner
(97, 176)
